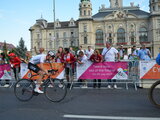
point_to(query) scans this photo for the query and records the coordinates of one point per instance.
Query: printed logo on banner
(149, 70)
(5, 71)
(104, 70)
(26, 74)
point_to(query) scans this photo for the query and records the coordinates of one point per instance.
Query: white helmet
(51, 53)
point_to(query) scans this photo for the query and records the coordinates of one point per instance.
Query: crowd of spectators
(70, 58)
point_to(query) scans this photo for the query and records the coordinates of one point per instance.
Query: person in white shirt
(82, 60)
(109, 54)
(32, 65)
(80, 49)
(89, 52)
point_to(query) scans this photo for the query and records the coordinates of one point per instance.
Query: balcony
(145, 42)
(122, 43)
(99, 44)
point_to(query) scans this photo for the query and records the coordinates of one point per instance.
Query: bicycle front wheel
(23, 89)
(55, 90)
(154, 94)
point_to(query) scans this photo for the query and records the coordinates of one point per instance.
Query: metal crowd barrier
(133, 78)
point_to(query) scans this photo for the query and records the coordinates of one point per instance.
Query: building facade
(121, 25)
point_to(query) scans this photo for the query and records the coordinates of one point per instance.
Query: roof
(137, 12)
(9, 46)
(64, 24)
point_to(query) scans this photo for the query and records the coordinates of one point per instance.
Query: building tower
(85, 9)
(116, 3)
(155, 25)
(85, 24)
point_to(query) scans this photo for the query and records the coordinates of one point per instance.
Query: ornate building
(121, 25)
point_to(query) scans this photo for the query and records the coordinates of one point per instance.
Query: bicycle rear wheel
(23, 89)
(55, 90)
(154, 94)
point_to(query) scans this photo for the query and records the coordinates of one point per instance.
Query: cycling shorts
(33, 67)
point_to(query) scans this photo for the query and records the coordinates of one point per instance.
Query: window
(143, 36)
(85, 40)
(153, 8)
(50, 36)
(89, 13)
(85, 28)
(38, 36)
(99, 37)
(72, 34)
(80, 12)
(121, 35)
(132, 37)
(65, 43)
(64, 35)
(50, 45)
(57, 43)
(57, 35)
(84, 12)
(110, 37)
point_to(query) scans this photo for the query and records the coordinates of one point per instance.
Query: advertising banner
(26, 73)
(104, 70)
(5, 71)
(149, 70)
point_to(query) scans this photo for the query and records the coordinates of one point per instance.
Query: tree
(5, 51)
(21, 49)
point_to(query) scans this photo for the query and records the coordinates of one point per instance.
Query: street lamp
(54, 14)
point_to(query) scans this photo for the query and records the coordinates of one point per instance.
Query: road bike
(55, 90)
(154, 94)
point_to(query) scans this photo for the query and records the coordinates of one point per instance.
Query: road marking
(109, 117)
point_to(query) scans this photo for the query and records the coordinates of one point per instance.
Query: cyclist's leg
(36, 69)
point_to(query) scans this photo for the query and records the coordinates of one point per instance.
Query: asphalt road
(81, 104)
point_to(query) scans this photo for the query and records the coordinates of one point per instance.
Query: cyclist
(40, 59)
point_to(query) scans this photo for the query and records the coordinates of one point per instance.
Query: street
(87, 104)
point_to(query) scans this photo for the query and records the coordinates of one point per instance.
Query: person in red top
(68, 60)
(15, 64)
(96, 58)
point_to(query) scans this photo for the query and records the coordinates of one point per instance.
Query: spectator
(121, 52)
(81, 61)
(58, 58)
(72, 51)
(144, 53)
(2, 58)
(27, 57)
(68, 60)
(109, 54)
(3, 61)
(134, 54)
(41, 50)
(96, 58)
(80, 49)
(89, 52)
(15, 64)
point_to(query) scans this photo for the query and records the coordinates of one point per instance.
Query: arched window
(65, 44)
(99, 37)
(143, 36)
(85, 40)
(84, 12)
(132, 37)
(121, 35)
(89, 13)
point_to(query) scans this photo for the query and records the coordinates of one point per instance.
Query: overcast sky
(17, 16)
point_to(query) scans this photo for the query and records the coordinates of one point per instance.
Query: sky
(17, 16)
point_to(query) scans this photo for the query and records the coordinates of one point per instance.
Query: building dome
(85, 0)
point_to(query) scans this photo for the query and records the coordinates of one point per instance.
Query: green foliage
(21, 49)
